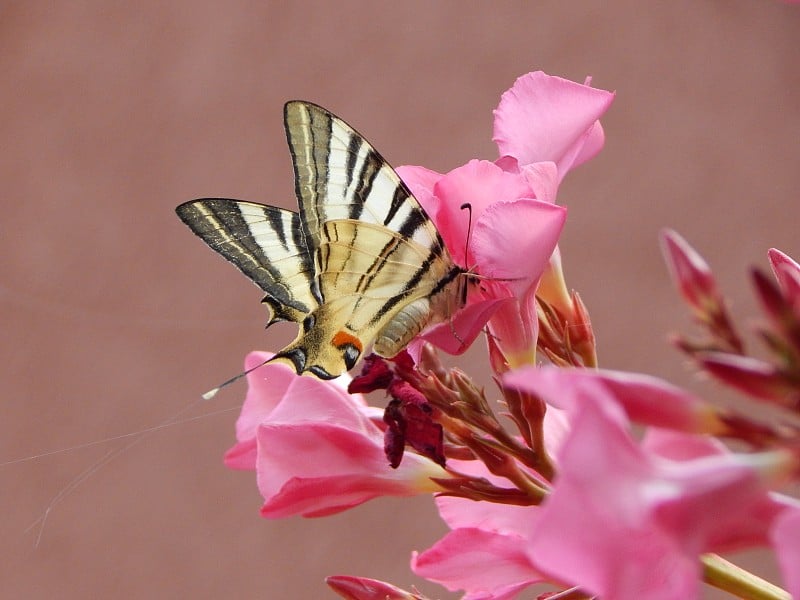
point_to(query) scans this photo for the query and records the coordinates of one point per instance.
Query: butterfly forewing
(264, 242)
(339, 175)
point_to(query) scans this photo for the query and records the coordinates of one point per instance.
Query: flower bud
(361, 588)
(690, 272)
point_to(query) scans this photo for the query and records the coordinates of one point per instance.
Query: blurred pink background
(115, 317)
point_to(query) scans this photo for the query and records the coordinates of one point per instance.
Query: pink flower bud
(752, 376)
(787, 273)
(690, 272)
(361, 588)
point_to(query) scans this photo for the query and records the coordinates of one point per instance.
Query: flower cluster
(592, 483)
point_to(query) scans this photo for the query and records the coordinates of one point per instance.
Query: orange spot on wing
(342, 337)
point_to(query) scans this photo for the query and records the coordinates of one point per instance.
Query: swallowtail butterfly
(360, 265)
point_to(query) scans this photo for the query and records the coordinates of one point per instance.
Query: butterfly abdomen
(403, 327)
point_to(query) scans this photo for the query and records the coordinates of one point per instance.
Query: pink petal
(508, 163)
(591, 531)
(514, 240)
(514, 329)
(317, 449)
(266, 387)
(593, 142)
(749, 529)
(545, 118)
(320, 469)
(311, 400)
(467, 323)
(313, 497)
(543, 179)
(480, 184)
(421, 182)
(786, 539)
(641, 398)
(477, 561)
(242, 455)
(721, 504)
(461, 513)
(680, 446)
(310, 450)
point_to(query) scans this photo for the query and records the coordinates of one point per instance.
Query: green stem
(728, 577)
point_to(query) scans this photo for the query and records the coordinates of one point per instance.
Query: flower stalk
(726, 576)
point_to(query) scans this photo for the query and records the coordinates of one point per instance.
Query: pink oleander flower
(564, 491)
(549, 119)
(315, 448)
(624, 519)
(543, 127)
(484, 564)
(488, 534)
(629, 520)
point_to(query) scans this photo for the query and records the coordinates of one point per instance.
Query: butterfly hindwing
(376, 270)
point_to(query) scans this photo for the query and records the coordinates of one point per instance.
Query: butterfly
(360, 265)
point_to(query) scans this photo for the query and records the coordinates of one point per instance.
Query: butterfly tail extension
(297, 356)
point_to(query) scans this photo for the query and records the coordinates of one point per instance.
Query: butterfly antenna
(213, 392)
(467, 206)
(470, 273)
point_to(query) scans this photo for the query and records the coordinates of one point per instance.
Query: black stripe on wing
(410, 287)
(339, 175)
(266, 243)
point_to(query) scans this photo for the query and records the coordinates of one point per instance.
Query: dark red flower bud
(409, 421)
(375, 375)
